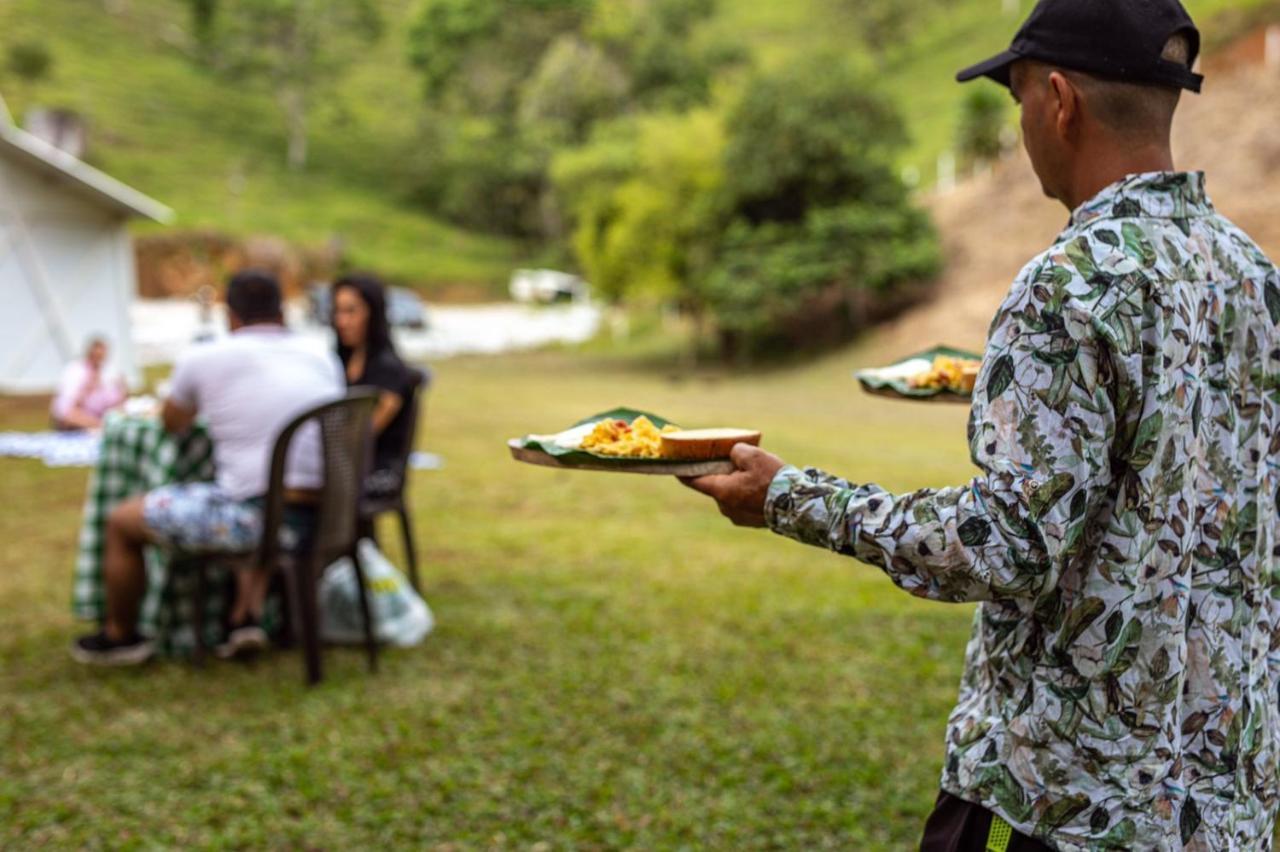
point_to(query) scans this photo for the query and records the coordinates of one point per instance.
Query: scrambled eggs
(638, 440)
(955, 374)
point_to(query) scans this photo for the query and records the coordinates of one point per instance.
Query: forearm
(388, 406)
(949, 544)
(1043, 433)
(176, 419)
(76, 418)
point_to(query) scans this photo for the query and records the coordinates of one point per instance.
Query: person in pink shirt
(87, 390)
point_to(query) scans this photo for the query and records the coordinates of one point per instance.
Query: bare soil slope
(992, 225)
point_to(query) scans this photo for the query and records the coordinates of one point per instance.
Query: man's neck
(1114, 163)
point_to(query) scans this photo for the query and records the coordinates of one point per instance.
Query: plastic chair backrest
(345, 426)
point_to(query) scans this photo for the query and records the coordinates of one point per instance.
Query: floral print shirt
(1121, 682)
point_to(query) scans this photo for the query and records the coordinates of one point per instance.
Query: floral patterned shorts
(199, 517)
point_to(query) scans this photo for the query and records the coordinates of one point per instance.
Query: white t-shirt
(246, 388)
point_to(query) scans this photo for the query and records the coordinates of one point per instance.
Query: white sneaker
(246, 640)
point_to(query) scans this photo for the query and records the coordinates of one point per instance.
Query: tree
(542, 74)
(885, 24)
(657, 42)
(299, 48)
(646, 202)
(812, 135)
(981, 123)
(479, 175)
(785, 222)
(825, 237)
(30, 62)
(783, 287)
(204, 16)
(475, 55)
(574, 86)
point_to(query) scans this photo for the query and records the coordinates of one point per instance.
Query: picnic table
(137, 455)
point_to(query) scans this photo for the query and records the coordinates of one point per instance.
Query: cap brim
(996, 68)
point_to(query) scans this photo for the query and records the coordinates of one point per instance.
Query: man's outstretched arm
(1042, 432)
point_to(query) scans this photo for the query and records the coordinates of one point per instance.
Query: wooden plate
(644, 467)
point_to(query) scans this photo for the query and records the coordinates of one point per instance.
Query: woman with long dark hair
(369, 358)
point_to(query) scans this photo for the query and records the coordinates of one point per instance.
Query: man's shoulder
(1066, 272)
(1107, 257)
(237, 348)
(198, 354)
(1232, 239)
(306, 353)
(1162, 242)
(1069, 285)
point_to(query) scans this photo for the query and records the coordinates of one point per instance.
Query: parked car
(548, 286)
(404, 307)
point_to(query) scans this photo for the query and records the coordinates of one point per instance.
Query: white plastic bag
(400, 617)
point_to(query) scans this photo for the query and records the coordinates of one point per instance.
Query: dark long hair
(378, 334)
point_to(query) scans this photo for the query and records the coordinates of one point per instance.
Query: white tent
(66, 260)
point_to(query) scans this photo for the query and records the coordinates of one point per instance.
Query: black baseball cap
(1118, 40)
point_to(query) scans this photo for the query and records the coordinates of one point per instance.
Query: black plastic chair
(373, 506)
(345, 427)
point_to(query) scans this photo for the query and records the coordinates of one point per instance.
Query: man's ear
(1065, 100)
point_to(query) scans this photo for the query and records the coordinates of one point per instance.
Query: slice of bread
(704, 444)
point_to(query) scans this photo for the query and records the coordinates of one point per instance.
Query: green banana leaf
(570, 457)
(872, 383)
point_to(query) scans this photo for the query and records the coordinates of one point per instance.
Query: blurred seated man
(87, 390)
(245, 389)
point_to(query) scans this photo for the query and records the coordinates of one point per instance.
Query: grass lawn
(614, 666)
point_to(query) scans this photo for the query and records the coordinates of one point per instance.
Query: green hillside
(919, 73)
(216, 152)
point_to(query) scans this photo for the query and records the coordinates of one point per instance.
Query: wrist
(779, 503)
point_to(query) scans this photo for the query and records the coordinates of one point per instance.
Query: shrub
(825, 239)
(808, 285)
(479, 176)
(981, 121)
(29, 61)
(645, 199)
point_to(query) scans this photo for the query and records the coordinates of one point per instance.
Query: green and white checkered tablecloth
(137, 455)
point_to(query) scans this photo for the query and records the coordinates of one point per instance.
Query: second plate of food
(941, 374)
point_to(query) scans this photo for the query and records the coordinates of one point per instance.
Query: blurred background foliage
(982, 124)
(763, 203)
(739, 161)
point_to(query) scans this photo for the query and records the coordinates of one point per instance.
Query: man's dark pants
(959, 826)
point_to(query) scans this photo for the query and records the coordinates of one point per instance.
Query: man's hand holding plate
(741, 495)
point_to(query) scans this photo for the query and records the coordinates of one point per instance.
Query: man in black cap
(1122, 534)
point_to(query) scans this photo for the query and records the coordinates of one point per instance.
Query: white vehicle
(548, 286)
